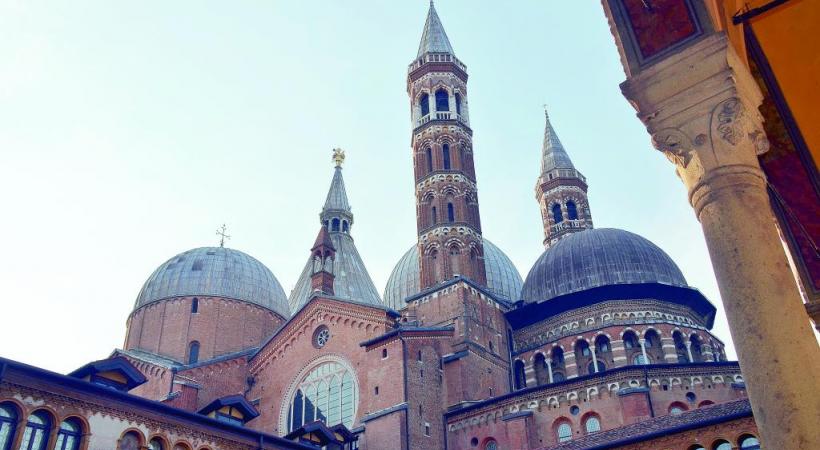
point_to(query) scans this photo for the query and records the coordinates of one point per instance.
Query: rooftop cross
(222, 235)
(338, 156)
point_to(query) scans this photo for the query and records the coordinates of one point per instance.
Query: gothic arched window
(451, 214)
(556, 213)
(68, 438)
(193, 352)
(429, 154)
(345, 226)
(572, 210)
(445, 151)
(433, 215)
(424, 102)
(327, 393)
(442, 100)
(37, 430)
(458, 103)
(8, 424)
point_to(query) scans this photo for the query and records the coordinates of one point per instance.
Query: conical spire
(553, 155)
(434, 39)
(323, 240)
(337, 196)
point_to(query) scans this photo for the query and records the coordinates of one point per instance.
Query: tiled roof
(553, 154)
(434, 39)
(660, 426)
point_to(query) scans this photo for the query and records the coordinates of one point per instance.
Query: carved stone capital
(700, 107)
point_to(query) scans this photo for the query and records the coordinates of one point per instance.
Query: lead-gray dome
(503, 278)
(595, 258)
(215, 272)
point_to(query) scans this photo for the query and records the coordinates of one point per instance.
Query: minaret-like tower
(449, 227)
(561, 191)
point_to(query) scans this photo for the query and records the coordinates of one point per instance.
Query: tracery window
(8, 422)
(68, 438)
(328, 393)
(564, 432)
(36, 435)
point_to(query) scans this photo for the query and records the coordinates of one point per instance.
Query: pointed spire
(434, 39)
(337, 196)
(553, 155)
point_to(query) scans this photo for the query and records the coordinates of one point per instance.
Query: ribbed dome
(503, 278)
(595, 258)
(215, 272)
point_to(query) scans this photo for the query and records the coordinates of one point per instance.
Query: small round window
(321, 336)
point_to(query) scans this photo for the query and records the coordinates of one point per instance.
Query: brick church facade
(602, 345)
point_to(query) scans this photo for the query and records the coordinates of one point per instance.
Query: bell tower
(447, 216)
(561, 190)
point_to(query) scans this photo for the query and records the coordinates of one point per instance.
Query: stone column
(549, 368)
(688, 345)
(670, 355)
(643, 350)
(619, 353)
(701, 107)
(594, 357)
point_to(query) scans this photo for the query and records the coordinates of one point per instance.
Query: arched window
(572, 211)
(721, 445)
(591, 368)
(491, 445)
(327, 393)
(705, 403)
(429, 154)
(583, 356)
(541, 371)
(592, 424)
(156, 444)
(445, 152)
(558, 376)
(194, 305)
(424, 102)
(8, 424)
(451, 213)
(556, 213)
(455, 252)
(564, 432)
(680, 347)
(334, 224)
(677, 408)
(696, 447)
(37, 429)
(345, 226)
(130, 441)
(520, 375)
(654, 348)
(749, 442)
(458, 103)
(442, 100)
(193, 352)
(433, 216)
(639, 359)
(697, 354)
(630, 340)
(602, 344)
(69, 436)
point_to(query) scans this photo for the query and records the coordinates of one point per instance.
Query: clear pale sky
(129, 131)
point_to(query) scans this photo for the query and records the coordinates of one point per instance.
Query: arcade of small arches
(444, 155)
(337, 224)
(442, 100)
(588, 356)
(41, 428)
(454, 251)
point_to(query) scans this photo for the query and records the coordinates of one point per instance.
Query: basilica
(603, 344)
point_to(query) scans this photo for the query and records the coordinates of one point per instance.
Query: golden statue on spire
(338, 156)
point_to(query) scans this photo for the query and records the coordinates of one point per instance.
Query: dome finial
(338, 156)
(222, 235)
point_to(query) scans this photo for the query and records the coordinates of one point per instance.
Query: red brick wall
(221, 326)
(730, 431)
